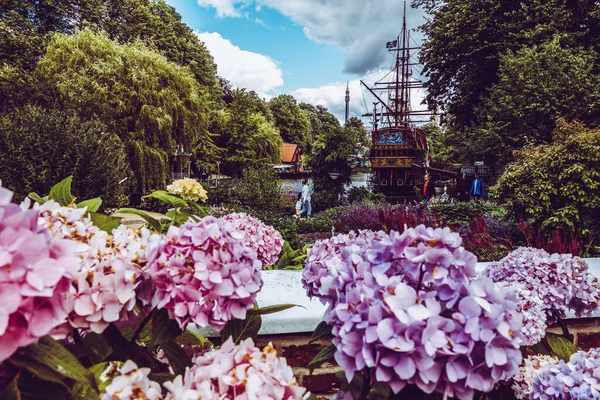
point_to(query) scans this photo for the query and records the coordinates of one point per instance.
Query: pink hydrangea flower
(264, 239)
(132, 383)
(35, 272)
(204, 272)
(104, 287)
(237, 373)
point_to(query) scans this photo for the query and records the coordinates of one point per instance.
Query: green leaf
(84, 391)
(539, 348)
(97, 347)
(322, 357)
(190, 338)
(11, 392)
(53, 355)
(322, 330)
(167, 198)
(563, 348)
(36, 197)
(93, 205)
(61, 192)
(178, 359)
(164, 329)
(153, 222)
(198, 209)
(34, 389)
(271, 309)
(105, 222)
(38, 370)
(240, 330)
(180, 217)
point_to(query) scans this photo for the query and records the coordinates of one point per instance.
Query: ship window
(384, 182)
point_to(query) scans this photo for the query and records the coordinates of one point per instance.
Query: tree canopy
(124, 87)
(292, 121)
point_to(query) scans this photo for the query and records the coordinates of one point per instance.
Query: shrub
(40, 147)
(382, 217)
(362, 194)
(259, 188)
(555, 186)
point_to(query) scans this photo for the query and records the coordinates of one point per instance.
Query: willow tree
(156, 107)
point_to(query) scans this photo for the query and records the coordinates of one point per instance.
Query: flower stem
(566, 334)
(366, 388)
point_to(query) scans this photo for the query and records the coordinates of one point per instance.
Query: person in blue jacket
(477, 188)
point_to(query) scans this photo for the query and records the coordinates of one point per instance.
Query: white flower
(132, 384)
(188, 189)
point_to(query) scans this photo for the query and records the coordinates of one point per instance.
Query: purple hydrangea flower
(406, 307)
(532, 365)
(204, 272)
(531, 307)
(264, 239)
(561, 281)
(577, 379)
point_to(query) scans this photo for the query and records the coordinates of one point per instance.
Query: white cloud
(244, 69)
(333, 95)
(361, 28)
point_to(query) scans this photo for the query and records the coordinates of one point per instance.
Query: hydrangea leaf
(164, 329)
(53, 355)
(167, 198)
(563, 348)
(272, 309)
(321, 331)
(178, 359)
(61, 192)
(153, 222)
(322, 357)
(105, 222)
(93, 205)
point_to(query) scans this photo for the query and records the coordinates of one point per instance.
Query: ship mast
(396, 111)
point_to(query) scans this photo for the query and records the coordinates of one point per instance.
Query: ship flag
(392, 44)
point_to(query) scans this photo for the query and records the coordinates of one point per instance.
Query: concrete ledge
(282, 287)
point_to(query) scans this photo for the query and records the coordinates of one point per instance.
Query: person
(428, 190)
(462, 188)
(299, 208)
(477, 188)
(306, 198)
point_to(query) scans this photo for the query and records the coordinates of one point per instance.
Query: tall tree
(536, 85)
(466, 38)
(154, 106)
(247, 134)
(359, 134)
(293, 122)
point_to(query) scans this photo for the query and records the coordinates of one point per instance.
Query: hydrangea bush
(531, 367)
(406, 309)
(111, 293)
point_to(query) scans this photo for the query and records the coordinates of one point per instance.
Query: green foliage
(556, 185)
(290, 258)
(320, 222)
(359, 134)
(536, 85)
(123, 87)
(332, 147)
(461, 213)
(259, 188)
(471, 46)
(292, 121)
(361, 194)
(247, 133)
(40, 147)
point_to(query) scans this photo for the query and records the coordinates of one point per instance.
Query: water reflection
(292, 187)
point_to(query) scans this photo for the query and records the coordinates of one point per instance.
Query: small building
(291, 158)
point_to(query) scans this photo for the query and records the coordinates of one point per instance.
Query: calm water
(294, 186)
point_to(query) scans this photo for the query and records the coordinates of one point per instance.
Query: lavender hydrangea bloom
(411, 312)
(531, 307)
(532, 365)
(561, 281)
(577, 379)
(204, 272)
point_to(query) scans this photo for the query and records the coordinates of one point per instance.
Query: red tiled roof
(289, 153)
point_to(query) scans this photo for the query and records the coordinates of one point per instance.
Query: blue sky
(305, 63)
(308, 48)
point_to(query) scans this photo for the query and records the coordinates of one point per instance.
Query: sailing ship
(399, 149)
